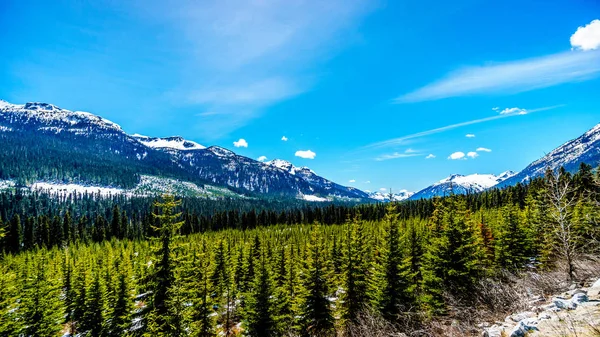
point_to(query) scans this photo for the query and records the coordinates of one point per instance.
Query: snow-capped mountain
(71, 146)
(584, 149)
(461, 184)
(385, 197)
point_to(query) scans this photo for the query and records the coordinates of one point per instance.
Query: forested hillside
(114, 267)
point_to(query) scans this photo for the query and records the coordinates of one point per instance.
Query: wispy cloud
(407, 153)
(395, 155)
(351, 181)
(246, 56)
(511, 77)
(284, 138)
(512, 111)
(306, 154)
(430, 156)
(470, 135)
(483, 149)
(403, 139)
(473, 154)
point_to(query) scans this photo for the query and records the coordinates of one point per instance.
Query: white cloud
(410, 151)
(262, 158)
(587, 37)
(470, 135)
(383, 189)
(511, 77)
(430, 156)
(483, 149)
(472, 154)
(457, 155)
(401, 140)
(241, 143)
(513, 111)
(284, 138)
(396, 155)
(308, 154)
(352, 181)
(367, 182)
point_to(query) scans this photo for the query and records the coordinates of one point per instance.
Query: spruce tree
(316, 318)
(120, 320)
(14, 237)
(511, 244)
(453, 259)
(40, 303)
(356, 271)
(9, 324)
(160, 317)
(392, 288)
(93, 318)
(260, 306)
(202, 322)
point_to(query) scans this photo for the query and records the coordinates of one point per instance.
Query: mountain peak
(62, 119)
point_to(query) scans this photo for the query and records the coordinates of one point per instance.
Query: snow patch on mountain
(49, 113)
(461, 184)
(63, 189)
(585, 148)
(289, 167)
(400, 196)
(175, 142)
(314, 198)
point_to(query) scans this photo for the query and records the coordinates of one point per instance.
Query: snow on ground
(148, 186)
(171, 142)
(313, 198)
(74, 188)
(6, 184)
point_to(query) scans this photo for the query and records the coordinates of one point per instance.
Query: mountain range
(46, 147)
(66, 147)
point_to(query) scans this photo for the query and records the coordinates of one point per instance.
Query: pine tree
(14, 237)
(260, 306)
(202, 322)
(452, 261)
(79, 303)
(115, 225)
(41, 304)
(317, 318)
(160, 317)
(221, 285)
(392, 289)
(120, 320)
(93, 317)
(67, 227)
(9, 324)
(356, 271)
(511, 244)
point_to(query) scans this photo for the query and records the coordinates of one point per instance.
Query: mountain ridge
(94, 139)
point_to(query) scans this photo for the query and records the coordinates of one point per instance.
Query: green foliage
(317, 317)
(114, 269)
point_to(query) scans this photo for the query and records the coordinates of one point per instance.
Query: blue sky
(367, 89)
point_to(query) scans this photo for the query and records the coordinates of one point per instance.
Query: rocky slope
(585, 148)
(573, 313)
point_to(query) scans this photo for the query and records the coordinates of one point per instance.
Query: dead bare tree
(561, 197)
